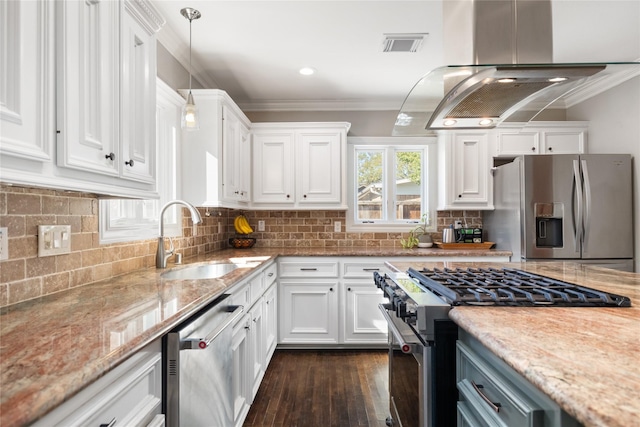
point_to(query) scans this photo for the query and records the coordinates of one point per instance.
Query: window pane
(408, 191)
(370, 194)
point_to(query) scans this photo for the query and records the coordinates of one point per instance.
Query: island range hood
(511, 76)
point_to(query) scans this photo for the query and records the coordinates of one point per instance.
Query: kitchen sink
(206, 271)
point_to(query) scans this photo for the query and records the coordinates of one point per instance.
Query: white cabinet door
(88, 86)
(363, 321)
(27, 87)
(241, 384)
(273, 171)
(309, 312)
(319, 167)
(541, 138)
(270, 322)
(236, 165)
(465, 176)
(299, 165)
(564, 141)
(514, 142)
(257, 347)
(138, 51)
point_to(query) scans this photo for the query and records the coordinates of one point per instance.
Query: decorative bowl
(242, 242)
(425, 245)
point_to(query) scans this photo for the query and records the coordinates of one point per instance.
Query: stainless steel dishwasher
(198, 366)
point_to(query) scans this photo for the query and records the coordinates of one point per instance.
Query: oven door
(406, 373)
(422, 381)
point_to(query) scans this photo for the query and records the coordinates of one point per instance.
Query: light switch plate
(4, 243)
(337, 226)
(54, 240)
(260, 225)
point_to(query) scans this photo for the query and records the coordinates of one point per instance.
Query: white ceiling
(254, 49)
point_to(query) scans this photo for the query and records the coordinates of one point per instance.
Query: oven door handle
(406, 347)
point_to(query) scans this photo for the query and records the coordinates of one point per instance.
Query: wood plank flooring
(308, 388)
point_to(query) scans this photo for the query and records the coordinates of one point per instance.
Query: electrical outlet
(337, 226)
(54, 240)
(4, 243)
(220, 227)
(261, 225)
(458, 224)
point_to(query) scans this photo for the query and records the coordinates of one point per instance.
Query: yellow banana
(236, 225)
(245, 225)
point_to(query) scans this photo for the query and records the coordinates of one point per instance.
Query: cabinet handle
(110, 156)
(236, 192)
(129, 163)
(495, 406)
(370, 269)
(270, 274)
(111, 423)
(308, 269)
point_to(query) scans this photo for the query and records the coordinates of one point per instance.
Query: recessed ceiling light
(307, 71)
(485, 122)
(449, 122)
(506, 80)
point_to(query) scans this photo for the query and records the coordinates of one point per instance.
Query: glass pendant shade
(190, 117)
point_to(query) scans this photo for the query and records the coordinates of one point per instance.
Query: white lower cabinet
(252, 346)
(129, 395)
(327, 301)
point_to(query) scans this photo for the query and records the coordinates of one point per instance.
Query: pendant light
(189, 117)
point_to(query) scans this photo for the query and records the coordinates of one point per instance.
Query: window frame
(389, 145)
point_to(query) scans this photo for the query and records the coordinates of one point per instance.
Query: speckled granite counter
(585, 359)
(51, 347)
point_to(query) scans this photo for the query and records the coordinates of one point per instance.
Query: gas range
(419, 297)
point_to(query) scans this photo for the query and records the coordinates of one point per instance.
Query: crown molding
(320, 105)
(597, 87)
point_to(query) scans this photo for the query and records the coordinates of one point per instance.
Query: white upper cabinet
(215, 160)
(27, 89)
(465, 173)
(299, 165)
(85, 72)
(540, 138)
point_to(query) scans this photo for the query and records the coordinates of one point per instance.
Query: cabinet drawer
(130, 394)
(308, 269)
(363, 270)
(494, 398)
(241, 295)
(270, 275)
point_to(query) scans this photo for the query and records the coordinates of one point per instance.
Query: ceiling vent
(402, 42)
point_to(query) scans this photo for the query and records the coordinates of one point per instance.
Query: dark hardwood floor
(308, 388)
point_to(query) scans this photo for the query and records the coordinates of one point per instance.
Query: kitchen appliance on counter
(571, 207)
(422, 338)
(197, 372)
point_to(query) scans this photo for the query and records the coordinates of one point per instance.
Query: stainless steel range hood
(511, 76)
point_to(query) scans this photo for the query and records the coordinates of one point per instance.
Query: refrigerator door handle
(577, 219)
(587, 207)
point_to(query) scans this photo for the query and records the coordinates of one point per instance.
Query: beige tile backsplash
(26, 276)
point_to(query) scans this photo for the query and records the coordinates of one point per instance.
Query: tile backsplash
(26, 276)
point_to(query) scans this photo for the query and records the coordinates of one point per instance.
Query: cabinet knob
(129, 163)
(305, 196)
(459, 196)
(331, 289)
(550, 148)
(236, 192)
(533, 148)
(288, 196)
(349, 289)
(110, 156)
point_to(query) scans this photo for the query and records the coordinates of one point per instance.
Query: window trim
(429, 144)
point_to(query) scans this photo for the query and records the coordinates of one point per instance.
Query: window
(124, 220)
(391, 183)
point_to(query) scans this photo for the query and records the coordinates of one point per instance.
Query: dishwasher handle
(203, 343)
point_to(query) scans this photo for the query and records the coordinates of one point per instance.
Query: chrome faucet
(163, 255)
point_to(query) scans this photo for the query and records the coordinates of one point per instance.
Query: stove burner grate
(510, 287)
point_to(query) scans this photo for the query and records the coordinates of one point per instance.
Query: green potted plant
(419, 236)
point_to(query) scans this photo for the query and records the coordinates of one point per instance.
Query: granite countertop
(53, 346)
(586, 359)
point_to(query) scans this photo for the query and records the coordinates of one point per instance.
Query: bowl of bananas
(242, 241)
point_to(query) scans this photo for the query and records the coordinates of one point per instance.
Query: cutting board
(483, 245)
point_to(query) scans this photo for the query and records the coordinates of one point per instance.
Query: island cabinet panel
(491, 393)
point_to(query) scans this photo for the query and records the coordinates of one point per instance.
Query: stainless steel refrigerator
(564, 207)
